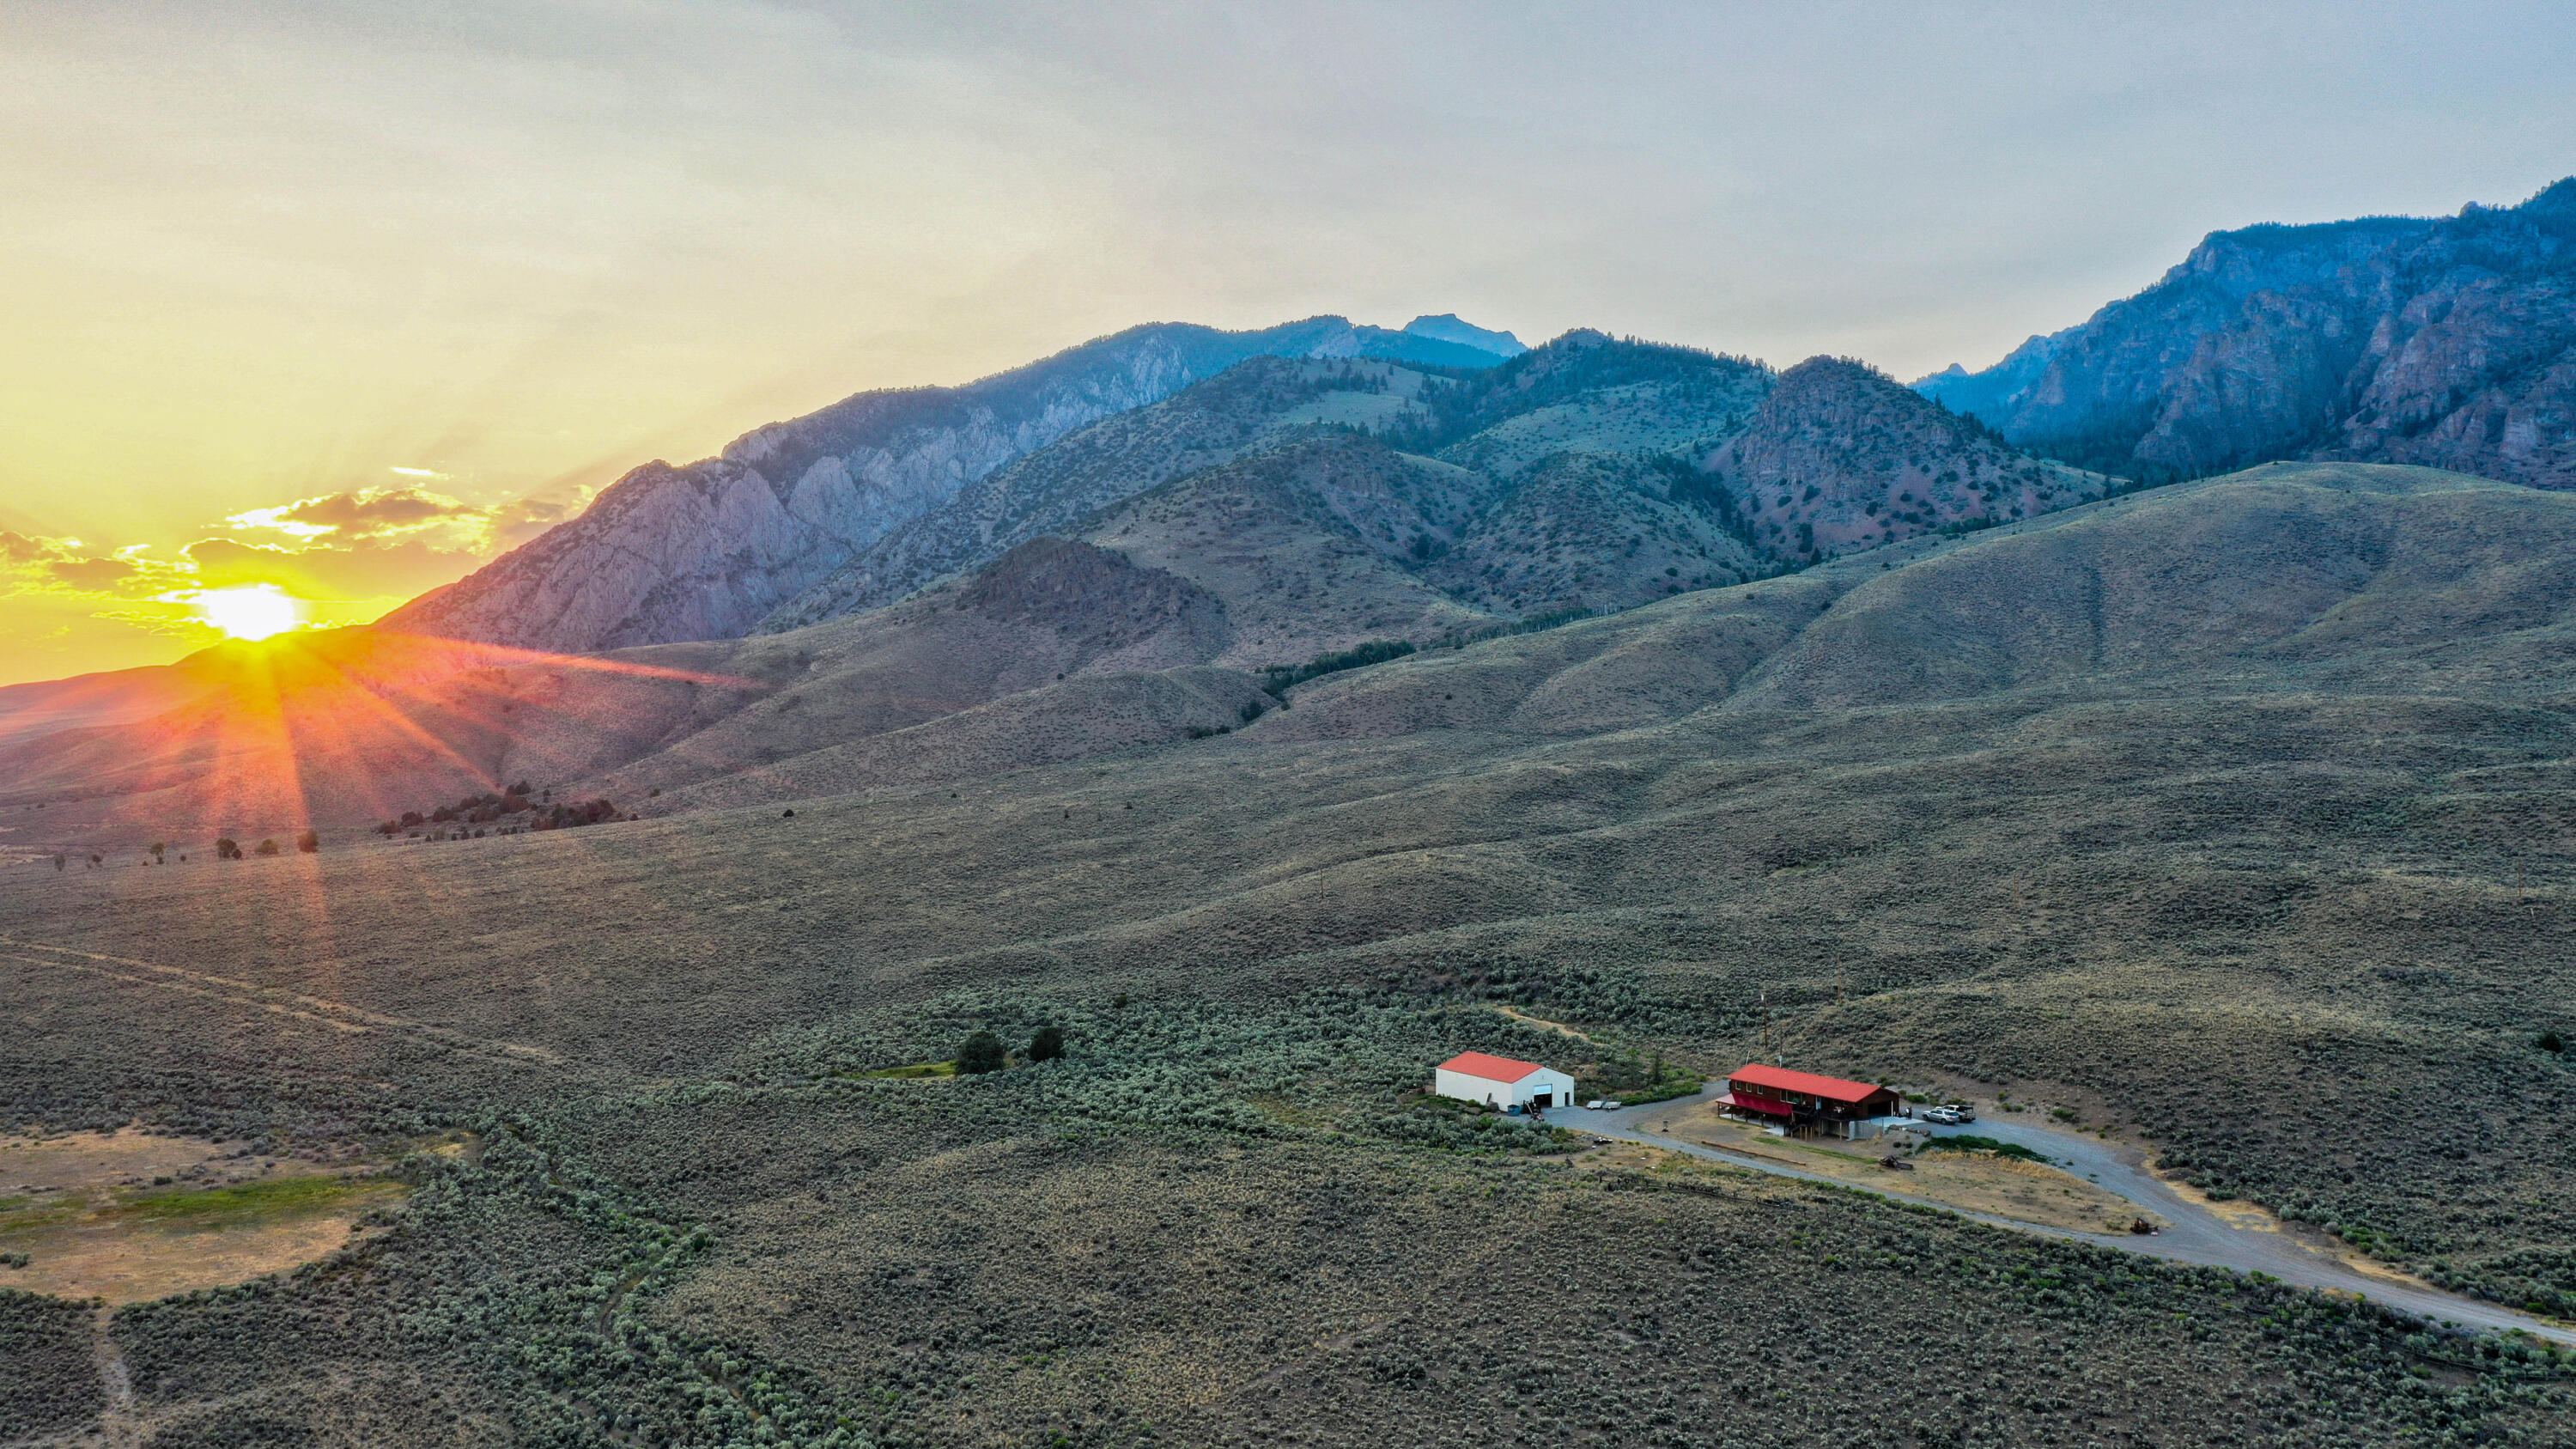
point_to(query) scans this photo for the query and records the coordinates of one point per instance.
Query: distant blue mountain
(2448, 342)
(1447, 328)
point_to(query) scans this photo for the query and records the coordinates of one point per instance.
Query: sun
(255, 612)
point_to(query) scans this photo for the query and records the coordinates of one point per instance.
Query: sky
(333, 302)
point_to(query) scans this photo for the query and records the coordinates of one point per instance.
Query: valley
(2232, 811)
(741, 725)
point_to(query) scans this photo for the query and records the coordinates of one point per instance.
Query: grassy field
(2273, 874)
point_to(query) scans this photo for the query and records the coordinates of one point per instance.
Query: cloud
(512, 524)
(36, 564)
(92, 575)
(361, 513)
(348, 556)
(18, 548)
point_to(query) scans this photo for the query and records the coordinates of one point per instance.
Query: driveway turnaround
(2194, 1235)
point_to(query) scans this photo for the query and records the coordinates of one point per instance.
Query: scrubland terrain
(2236, 813)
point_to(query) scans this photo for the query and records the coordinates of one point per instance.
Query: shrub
(228, 849)
(1358, 656)
(981, 1053)
(1047, 1044)
(1968, 1142)
(308, 842)
(268, 847)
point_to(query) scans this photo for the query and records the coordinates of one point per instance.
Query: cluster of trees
(503, 808)
(227, 848)
(1468, 402)
(983, 1051)
(473, 809)
(1358, 656)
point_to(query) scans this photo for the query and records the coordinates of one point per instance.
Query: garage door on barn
(1502, 1082)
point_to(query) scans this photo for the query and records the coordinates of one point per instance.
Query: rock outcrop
(1055, 489)
(706, 550)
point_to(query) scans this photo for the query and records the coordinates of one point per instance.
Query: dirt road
(2196, 1234)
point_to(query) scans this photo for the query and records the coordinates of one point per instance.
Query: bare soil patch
(131, 1217)
(1981, 1182)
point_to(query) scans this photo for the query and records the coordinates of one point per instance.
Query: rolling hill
(2230, 819)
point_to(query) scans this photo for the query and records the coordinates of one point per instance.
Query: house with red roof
(1502, 1082)
(1804, 1104)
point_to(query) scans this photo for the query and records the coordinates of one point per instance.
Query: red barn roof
(1491, 1068)
(1781, 1079)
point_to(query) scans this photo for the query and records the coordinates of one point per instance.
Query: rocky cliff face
(1054, 489)
(867, 501)
(2449, 342)
(707, 550)
(1560, 442)
(1583, 470)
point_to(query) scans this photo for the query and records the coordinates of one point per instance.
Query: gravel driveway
(2195, 1234)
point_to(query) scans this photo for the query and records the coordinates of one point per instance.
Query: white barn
(1502, 1082)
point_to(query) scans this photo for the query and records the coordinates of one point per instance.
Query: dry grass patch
(129, 1217)
(1981, 1182)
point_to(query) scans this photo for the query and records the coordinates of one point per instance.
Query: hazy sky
(252, 255)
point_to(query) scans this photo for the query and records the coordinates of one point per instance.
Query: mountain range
(1135, 582)
(708, 549)
(1129, 543)
(1241, 724)
(2449, 342)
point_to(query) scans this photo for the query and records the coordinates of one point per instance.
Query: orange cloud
(65, 565)
(363, 514)
(94, 575)
(18, 548)
(346, 557)
(512, 524)
(360, 513)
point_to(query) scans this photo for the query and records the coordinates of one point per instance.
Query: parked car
(1946, 1116)
(1964, 1114)
(1609, 1104)
(1593, 1106)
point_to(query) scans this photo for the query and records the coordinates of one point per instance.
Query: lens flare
(256, 612)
